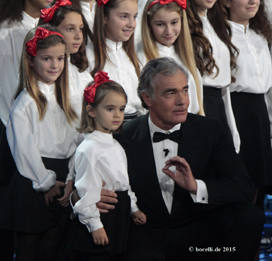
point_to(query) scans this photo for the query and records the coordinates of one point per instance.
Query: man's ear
(147, 99)
(227, 3)
(90, 111)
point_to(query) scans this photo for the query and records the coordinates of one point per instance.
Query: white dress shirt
(137, 33)
(122, 71)
(11, 42)
(166, 183)
(30, 139)
(255, 68)
(99, 158)
(77, 82)
(221, 56)
(88, 13)
(170, 52)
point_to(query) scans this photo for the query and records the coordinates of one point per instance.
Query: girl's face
(121, 22)
(71, 28)
(165, 26)
(48, 63)
(109, 114)
(242, 10)
(203, 5)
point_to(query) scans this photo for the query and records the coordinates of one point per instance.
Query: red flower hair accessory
(48, 13)
(99, 78)
(102, 2)
(41, 33)
(181, 3)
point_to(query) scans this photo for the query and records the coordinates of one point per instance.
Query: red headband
(41, 33)
(48, 13)
(181, 3)
(102, 2)
(99, 78)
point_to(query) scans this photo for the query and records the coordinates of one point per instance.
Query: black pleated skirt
(116, 224)
(214, 106)
(25, 210)
(253, 124)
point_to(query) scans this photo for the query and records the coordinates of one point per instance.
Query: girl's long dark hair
(79, 59)
(217, 16)
(11, 11)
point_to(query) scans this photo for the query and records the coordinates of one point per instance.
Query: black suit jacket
(211, 155)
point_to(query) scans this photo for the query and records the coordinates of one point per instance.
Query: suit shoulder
(204, 123)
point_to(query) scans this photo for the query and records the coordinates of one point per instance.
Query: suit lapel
(140, 147)
(187, 147)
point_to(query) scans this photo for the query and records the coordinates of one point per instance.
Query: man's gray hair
(164, 66)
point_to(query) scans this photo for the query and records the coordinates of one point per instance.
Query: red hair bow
(99, 78)
(102, 2)
(181, 3)
(48, 13)
(41, 33)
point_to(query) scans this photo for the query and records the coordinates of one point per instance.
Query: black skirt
(7, 164)
(116, 224)
(214, 106)
(253, 124)
(25, 210)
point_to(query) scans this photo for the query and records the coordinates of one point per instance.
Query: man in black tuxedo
(189, 181)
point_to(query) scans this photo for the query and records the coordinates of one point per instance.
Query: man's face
(169, 105)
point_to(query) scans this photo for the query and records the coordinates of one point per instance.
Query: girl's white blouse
(255, 70)
(11, 42)
(99, 158)
(221, 56)
(88, 13)
(30, 139)
(122, 71)
(77, 82)
(170, 52)
(222, 81)
(255, 67)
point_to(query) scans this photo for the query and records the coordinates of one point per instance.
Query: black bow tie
(159, 136)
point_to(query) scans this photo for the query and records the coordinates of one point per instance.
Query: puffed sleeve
(88, 184)
(28, 160)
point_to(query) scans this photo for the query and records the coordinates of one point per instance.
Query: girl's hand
(139, 217)
(64, 201)
(53, 192)
(100, 237)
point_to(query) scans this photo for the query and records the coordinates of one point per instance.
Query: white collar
(240, 28)
(166, 51)
(100, 137)
(46, 88)
(29, 20)
(153, 128)
(113, 45)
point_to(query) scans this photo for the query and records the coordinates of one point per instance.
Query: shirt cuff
(201, 193)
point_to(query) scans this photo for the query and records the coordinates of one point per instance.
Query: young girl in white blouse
(101, 159)
(165, 33)
(253, 87)
(208, 21)
(42, 136)
(114, 48)
(17, 17)
(68, 19)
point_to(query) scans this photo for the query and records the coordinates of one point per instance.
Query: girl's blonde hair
(183, 44)
(29, 82)
(87, 123)
(100, 47)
